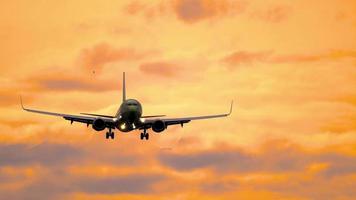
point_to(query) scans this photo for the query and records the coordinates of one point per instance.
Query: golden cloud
(98, 56)
(245, 57)
(161, 68)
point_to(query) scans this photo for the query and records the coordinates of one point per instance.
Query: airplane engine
(158, 126)
(99, 124)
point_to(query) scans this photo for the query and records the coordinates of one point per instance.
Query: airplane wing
(182, 120)
(72, 118)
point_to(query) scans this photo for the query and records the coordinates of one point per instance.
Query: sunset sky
(289, 66)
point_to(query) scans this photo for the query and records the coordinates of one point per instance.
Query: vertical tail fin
(123, 87)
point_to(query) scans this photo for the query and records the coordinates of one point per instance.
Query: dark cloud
(189, 11)
(271, 160)
(231, 161)
(44, 154)
(52, 179)
(338, 164)
(195, 10)
(132, 184)
(57, 186)
(219, 186)
(52, 155)
(316, 187)
(6, 177)
(113, 156)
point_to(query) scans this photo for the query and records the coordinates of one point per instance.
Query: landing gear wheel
(142, 136)
(112, 135)
(147, 136)
(107, 135)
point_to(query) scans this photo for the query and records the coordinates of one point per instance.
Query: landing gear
(110, 134)
(144, 135)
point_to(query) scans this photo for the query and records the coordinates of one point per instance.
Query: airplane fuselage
(128, 115)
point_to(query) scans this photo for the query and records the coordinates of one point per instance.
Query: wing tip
(22, 103)
(231, 105)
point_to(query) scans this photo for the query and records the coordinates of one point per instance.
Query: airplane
(127, 118)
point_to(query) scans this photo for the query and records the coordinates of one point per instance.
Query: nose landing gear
(144, 135)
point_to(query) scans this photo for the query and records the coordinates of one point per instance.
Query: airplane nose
(132, 116)
(132, 113)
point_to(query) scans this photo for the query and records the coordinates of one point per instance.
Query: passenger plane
(128, 117)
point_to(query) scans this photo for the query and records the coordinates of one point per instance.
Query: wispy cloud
(160, 68)
(273, 14)
(252, 57)
(96, 57)
(188, 11)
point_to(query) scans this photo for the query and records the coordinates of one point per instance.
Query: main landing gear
(144, 135)
(110, 134)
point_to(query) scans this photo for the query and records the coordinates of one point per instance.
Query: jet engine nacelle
(99, 124)
(158, 126)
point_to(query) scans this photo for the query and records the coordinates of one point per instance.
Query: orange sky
(290, 67)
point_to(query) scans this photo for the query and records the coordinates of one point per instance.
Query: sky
(289, 66)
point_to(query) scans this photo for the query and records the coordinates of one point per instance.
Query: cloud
(96, 57)
(273, 14)
(132, 184)
(10, 174)
(230, 161)
(219, 186)
(51, 185)
(191, 11)
(134, 7)
(54, 179)
(69, 84)
(238, 58)
(68, 80)
(8, 97)
(301, 58)
(341, 124)
(245, 57)
(44, 154)
(276, 157)
(339, 165)
(160, 68)
(188, 11)
(75, 83)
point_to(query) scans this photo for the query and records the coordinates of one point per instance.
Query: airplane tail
(123, 87)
